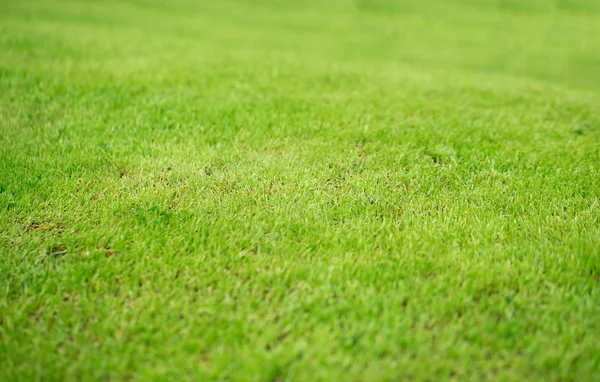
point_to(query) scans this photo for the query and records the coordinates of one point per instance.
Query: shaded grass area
(261, 190)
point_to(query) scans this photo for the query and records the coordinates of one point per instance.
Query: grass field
(312, 190)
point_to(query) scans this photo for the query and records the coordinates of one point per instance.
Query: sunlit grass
(312, 190)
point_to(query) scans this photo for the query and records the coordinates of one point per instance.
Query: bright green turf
(308, 190)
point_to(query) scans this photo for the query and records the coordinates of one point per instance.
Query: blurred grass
(547, 40)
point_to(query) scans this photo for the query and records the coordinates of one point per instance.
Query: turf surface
(326, 190)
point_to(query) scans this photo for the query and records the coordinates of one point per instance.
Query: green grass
(315, 190)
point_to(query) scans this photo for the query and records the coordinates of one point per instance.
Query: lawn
(312, 190)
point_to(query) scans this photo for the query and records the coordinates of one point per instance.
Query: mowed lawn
(313, 190)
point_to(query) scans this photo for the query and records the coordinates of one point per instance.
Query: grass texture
(312, 190)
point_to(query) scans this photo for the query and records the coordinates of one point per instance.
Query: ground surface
(313, 190)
